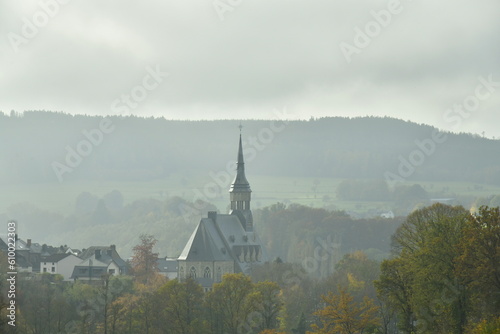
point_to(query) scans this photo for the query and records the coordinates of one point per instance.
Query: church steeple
(240, 183)
(240, 192)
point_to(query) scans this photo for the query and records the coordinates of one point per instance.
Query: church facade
(224, 243)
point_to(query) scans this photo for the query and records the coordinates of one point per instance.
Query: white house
(93, 271)
(98, 261)
(62, 264)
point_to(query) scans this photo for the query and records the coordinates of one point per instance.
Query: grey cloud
(264, 53)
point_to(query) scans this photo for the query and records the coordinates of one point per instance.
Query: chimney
(113, 247)
(28, 242)
(212, 215)
(97, 253)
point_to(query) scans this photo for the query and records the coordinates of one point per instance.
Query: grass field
(316, 192)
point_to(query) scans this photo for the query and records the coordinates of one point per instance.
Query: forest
(442, 277)
(38, 143)
(98, 221)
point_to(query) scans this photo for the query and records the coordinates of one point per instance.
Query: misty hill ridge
(149, 148)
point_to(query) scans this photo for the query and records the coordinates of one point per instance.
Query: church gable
(205, 244)
(244, 246)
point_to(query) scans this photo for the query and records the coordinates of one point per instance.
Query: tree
(138, 311)
(3, 291)
(150, 320)
(486, 327)
(344, 316)
(144, 262)
(114, 200)
(126, 315)
(234, 300)
(41, 305)
(427, 246)
(114, 287)
(479, 262)
(269, 303)
(394, 289)
(356, 272)
(181, 305)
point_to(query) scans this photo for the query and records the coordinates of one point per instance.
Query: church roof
(205, 244)
(218, 238)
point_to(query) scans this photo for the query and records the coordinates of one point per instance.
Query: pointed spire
(240, 183)
(240, 155)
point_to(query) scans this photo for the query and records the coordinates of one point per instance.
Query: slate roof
(219, 240)
(21, 245)
(36, 247)
(232, 229)
(105, 257)
(90, 262)
(55, 257)
(23, 262)
(205, 244)
(96, 271)
(167, 265)
(3, 244)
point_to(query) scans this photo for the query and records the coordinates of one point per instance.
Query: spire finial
(241, 127)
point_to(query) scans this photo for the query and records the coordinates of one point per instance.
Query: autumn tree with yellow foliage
(342, 315)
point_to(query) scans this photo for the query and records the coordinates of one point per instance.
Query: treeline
(294, 232)
(378, 190)
(145, 302)
(278, 298)
(289, 232)
(40, 146)
(443, 277)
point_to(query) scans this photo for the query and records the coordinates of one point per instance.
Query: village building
(97, 261)
(62, 264)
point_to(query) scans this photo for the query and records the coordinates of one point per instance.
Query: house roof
(22, 261)
(167, 265)
(21, 245)
(88, 271)
(36, 247)
(3, 243)
(107, 255)
(92, 262)
(55, 257)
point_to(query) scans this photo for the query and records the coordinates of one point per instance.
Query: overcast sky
(244, 59)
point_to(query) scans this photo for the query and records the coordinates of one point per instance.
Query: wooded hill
(34, 144)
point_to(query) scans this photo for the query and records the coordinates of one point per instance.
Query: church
(224, 243)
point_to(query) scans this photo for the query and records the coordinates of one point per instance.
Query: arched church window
(219, 274)
(192, 272)
(207, 273)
